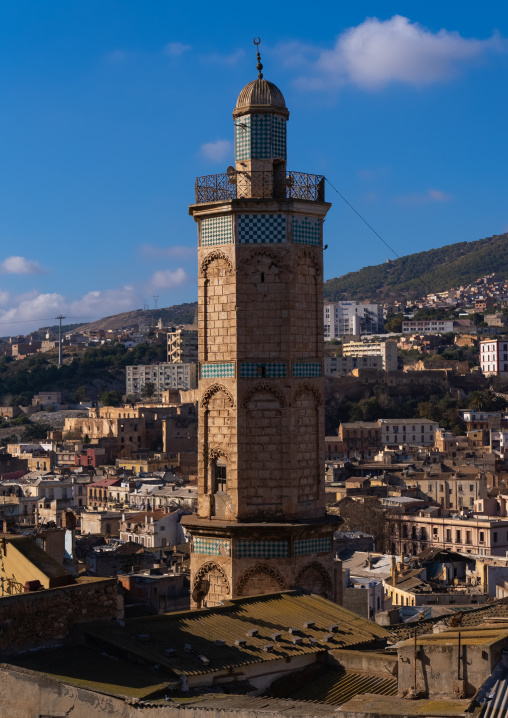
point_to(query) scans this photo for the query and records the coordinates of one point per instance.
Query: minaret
(261, 524)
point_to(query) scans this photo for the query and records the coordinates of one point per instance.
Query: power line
(44, 319)
(416, 276)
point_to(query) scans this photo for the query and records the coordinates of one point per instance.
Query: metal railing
(260, 185)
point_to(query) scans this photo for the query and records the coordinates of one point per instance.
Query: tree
(81, 394)
(111, 398)
(35, 432)
(148, 390)
(360, 516)
(394, 323)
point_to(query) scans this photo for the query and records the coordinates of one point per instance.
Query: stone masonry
(261, 523)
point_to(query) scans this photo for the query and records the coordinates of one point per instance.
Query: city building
(409, 534)
(351, 318)
(427, 326)
(163, 376)
(408, 431)
(494, 357)
(261, 525)
(183, 346)
(362, 355)
(153, 529)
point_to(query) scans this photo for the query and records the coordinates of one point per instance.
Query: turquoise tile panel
(218, 371)
(211, 547)
(306, 230)
(261, 549)
(242, 138)
(255, 370)
(307, 369)
(261, 228)
(278, 137)
(315, 545)
(216, 230)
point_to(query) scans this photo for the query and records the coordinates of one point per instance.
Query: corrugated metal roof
(179, 641)
(473, 616)
(494, 692)
(329, 685)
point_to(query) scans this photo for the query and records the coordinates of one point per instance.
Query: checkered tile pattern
(261, 137)
(211, 547)
(261, 228)
(261, 549)
(306, 230)
(272, 370)
(307, 369)
(315, 545)
(242, 138)
(218, 371)
(278, 137)
(216, 230)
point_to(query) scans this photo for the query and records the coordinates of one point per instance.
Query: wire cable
(406, 265)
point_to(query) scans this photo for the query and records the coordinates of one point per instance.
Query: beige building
(453, 491)
(410, 534)
(183, 346)
(362, 355)
(261, 524)
(420, 432)
(385, 351)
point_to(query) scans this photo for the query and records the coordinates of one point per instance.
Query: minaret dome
(261, 96)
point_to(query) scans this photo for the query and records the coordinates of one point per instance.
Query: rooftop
(179, 641)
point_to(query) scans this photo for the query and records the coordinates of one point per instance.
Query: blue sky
(110, 108)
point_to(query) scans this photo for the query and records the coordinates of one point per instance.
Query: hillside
(178, 314)
(416, 275)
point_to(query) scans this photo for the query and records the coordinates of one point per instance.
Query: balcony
(260, 185)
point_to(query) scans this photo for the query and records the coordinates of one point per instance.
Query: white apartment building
(386, 351)
(494, 357)
(351, 318)
(163, 376)
(362, 355)
(418, 432)
(427, 326)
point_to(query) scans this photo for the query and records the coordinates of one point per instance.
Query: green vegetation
(418, 274)
(428, 400)
(90, 373)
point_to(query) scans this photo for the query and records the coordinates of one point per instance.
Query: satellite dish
(231, 173)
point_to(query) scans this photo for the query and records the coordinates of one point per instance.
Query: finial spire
(259, 66)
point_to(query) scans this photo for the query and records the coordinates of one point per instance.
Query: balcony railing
(260, 185)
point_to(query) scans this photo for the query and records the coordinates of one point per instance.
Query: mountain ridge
(415, 275)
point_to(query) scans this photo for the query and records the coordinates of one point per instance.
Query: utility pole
(60, 317)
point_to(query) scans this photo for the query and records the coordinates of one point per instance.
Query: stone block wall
(44, 618)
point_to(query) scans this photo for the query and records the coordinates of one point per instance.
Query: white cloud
(149, 251)
(167, 279)
(20, 265)
(377, 52)
(431, 195)
(218, 151)
(175, 49)
(32, 310)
